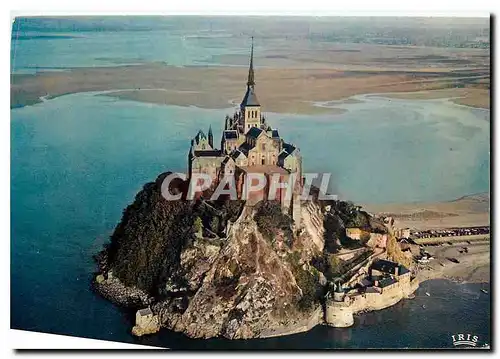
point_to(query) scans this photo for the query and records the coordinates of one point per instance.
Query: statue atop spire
(251, 80)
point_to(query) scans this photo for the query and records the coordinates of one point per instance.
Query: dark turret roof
(250, 98)
(199, 136)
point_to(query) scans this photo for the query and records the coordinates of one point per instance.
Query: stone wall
(302, 326)
(340, 314)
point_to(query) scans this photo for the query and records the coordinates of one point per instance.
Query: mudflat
(288, 80)
(474, 265)
(467, 211)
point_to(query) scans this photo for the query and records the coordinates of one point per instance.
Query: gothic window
(263, 160)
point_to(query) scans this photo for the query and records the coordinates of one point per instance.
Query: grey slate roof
(230, 134)
(237, 153)
(250, 98)
(227, 159)
(386, 282)
(254, 132)
(403, 269)
(282, 156)
(145, 311)
(207, 153)
(286, 151)
(385, 266)
(289, 148)
(245, 147)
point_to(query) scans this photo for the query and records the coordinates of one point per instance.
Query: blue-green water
(78, 160)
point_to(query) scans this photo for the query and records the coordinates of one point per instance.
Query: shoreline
(467, 211)
(318, 108)
(282, 90)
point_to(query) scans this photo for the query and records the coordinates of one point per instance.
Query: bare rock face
(247, 275)
(224, 268)
(246, 290)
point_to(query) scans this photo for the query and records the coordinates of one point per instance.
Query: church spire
(251, 80)
(210, 137)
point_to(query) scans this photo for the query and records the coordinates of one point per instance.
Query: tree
(214, 224)
(198, 226)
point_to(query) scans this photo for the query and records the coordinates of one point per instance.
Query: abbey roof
(250, 98)
(254, 132)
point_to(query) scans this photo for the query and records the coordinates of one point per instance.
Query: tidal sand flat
(467, 211)
(473, 96)
(201, 62)
(94, 151)
(283, 90)
(99, 107)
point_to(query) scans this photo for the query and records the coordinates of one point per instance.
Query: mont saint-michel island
(251, 266)
(251, 182)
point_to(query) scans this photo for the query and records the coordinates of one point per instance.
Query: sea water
(78, 160)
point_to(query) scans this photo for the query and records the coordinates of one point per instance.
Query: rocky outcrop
(145, 323)
(247, 289)
(212, 269)
(312, 219)
(115, 291)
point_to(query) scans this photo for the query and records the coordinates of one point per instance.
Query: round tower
(338, 310)
(338, 294)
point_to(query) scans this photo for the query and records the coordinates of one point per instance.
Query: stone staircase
(313, 221)
(316, 217)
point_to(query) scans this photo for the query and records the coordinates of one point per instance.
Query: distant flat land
(468, 211)
(288, 80)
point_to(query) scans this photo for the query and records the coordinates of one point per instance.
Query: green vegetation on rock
(146, 245)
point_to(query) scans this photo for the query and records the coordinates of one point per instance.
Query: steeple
(251, 79)
(210, 137)
(250, 106)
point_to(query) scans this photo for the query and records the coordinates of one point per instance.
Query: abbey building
(248, 145)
